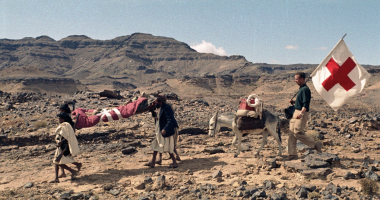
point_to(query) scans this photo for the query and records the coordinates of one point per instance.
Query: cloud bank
(208, 47)
(291, 47)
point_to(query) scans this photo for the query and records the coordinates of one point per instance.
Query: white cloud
(322, 48)
(208, 47)
(292, 47)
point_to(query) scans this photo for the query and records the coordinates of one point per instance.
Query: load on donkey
(251, 118)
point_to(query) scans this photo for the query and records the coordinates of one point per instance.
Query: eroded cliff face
(130, 61)
(41, 85)
(80, 54)
(127, 62)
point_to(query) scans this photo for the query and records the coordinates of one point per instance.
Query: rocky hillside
(125, 62)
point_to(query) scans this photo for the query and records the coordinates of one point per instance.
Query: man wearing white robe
(65, 132)
(166, 132)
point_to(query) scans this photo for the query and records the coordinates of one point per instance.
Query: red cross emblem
(339, 74)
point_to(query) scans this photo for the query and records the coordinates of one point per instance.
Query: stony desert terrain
(113, 154)
(39, 74)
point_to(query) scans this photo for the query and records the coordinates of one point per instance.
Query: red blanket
(84, 121)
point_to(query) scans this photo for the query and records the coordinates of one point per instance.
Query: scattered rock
(107, 187)
(302, 193)
(28, 185)
(349, 175)
(141, 186)
(259, 194)
(217, 174)
(189, 172)
(148, 180)
(276, 196)
(353, 120)
(213, 150)
(159, 183)
(372, 175)
(64, 195)
(77, 196)
(239, 193)
(8, 106)
(110, 94)
(144, 198)
(115, 192)
(269, 185)
(128, 150)
(272, 162)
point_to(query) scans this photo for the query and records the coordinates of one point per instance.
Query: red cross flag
(339, 76)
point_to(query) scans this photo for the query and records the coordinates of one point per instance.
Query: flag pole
(320, 64)
(327, 56)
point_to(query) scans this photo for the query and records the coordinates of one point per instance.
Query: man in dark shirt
(166, 133)
(299, 121)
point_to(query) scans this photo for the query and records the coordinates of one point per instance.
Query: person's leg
(174, 164)
(63, 174)
(78, 165)
(73, 172)
(56, 180)
(176, 154)
(299, 133)
(176, 138)
(159, 161)
(152, 163)
(292, 140)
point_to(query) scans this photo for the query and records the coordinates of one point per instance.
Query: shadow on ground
(114, 175)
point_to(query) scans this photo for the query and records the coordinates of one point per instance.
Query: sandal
(178, 158)
(54, 181)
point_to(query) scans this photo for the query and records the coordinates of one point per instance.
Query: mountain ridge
(134, 60)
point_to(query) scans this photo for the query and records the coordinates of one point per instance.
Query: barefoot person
(159, 161)
(177, 158)
(166, 128)
(65, 108)
(67, 147)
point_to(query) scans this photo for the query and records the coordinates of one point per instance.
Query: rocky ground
(113, 154)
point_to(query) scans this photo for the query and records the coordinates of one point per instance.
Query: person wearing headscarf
(67, 147)
(166, 132)
(65, 108)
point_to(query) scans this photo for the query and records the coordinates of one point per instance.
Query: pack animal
(271, 126)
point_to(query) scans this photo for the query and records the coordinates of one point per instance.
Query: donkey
(272, 123)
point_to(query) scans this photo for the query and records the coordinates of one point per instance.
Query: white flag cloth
(339, 76)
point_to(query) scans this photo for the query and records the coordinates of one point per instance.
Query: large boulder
(110, 94)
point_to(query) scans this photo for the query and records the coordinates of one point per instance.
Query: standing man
(299, 120)
(166, 133)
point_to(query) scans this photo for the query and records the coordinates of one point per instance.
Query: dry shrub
(369, 186)
(40, 124)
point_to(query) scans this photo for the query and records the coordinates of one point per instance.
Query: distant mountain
(124, 62)
(135, 58)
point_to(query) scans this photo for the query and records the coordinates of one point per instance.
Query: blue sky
(267, 31)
